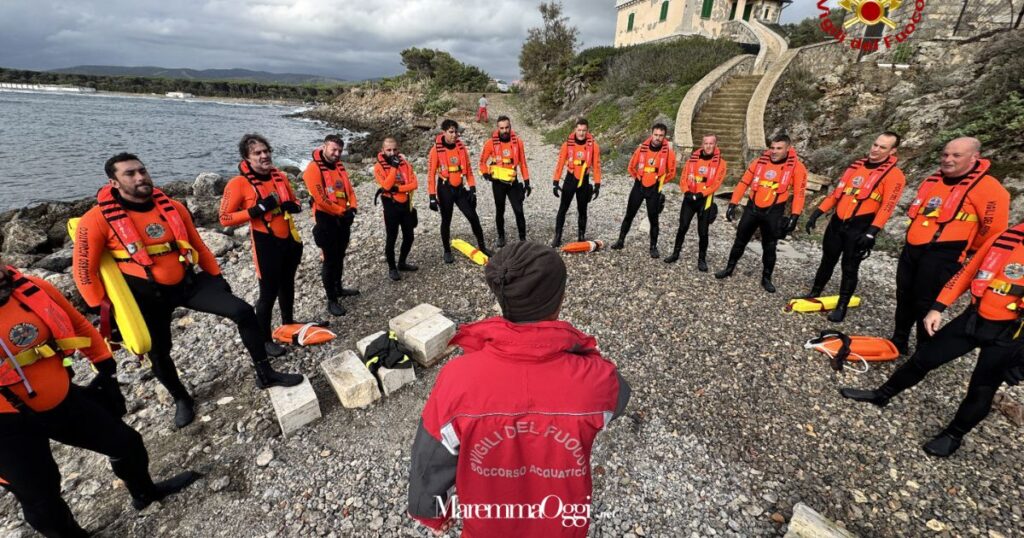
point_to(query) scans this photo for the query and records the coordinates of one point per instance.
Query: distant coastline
(84, 90)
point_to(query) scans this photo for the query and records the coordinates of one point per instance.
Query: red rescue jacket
(512, 421)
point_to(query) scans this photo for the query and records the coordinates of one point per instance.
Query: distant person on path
(334, 210)
(158, 248)
(39, 333)
(956, 210)
(992, 322)
(653, 164)
(503, 153)
(397, 183)
(450, 183)
(513, 420)
(481, 111)
(702, 175)
(262, 197)
(581, 157)
(772, 179)
(864, 199)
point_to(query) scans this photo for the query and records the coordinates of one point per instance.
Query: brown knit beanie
(528, 279)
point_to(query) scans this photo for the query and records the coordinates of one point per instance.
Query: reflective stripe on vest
(692, 171)
(337, 194)
(950, 209)
(778, 187)
(995, 263)
(867, 189)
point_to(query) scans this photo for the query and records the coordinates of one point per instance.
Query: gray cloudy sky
(352, 39)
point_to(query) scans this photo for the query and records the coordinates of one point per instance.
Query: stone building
(644, 21)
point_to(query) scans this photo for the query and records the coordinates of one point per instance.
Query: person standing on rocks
(157, 248)
(397, 183)
(504, 152)
(993, 323)
(39, 333)
(262, 197)
(512, 421)
(448, 169)
(955, 211)
(863, 200)
(581, 157)
(653, 164)
(772, 179)
(701, 177)
(334, 209)
(481, 110)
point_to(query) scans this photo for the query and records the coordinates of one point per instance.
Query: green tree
(548, 53)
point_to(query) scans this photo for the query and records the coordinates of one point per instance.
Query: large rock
(24, 236)
(428, 340)
(355, 385)
(410, 318)
(58, 261)
(393, 379)
(294, 406)
(208, 184)
(365, 342)
(205, 211)
(807, 523)
(217, 242)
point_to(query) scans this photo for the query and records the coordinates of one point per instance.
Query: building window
(767, 10)
(746, 12)
(629, 23)
(732, 12)
(705, 10)
(664, 12)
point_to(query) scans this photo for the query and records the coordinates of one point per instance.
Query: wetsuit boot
(335, 308)
(267, 377)
(393, 274)
(944, 444)
(184, 412)
(557, 241)
(838, 314)
(619, 243)
(727, 272)
(766, 283)
(581, 236)
(878, 397)
(157, 492)
(447, 256)
(274, 349)
(342, 291)
(654, 252)
(500, 243)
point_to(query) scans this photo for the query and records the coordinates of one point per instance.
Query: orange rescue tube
(583, 246)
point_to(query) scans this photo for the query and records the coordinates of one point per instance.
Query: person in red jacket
(39, 333)
(580, 156)
(773, 179)
(450, 183)
(993, 322)
(864, 199)
(132, 213)
(334, 209)
(513, 420)
(652, 166)
(397, 182)
(702, 175)
(955, 211)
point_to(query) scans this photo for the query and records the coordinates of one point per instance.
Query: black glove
(556, 189)
(527, 188)
(730, 213)
(262, 206)
(433, 202)
(597, 190)
(105, 389)
(867, 241)
(813, 221)
(488, 177)
(353, 211)
(394, 188)
(472, 196)
(791, 224)
(291, 207)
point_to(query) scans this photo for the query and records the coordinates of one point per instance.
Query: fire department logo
(579, 154)
(857, 181)
(869, 12)
(506, 153)
(933, 203)
(650, 162)
(23, 334)
(156, 231)
(702, 170)
(453, 159)
(1014, 271)
(770, 174)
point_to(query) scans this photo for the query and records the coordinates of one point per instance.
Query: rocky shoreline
(732, 422)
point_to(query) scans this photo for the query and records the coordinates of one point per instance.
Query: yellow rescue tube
(818, 304)
(470, 251)
(134, 333)
(502, 173)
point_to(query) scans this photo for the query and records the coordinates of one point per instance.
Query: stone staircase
(725, 115)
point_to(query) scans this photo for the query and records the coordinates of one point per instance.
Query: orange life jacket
(781, 186)
(457, 162)
(135, 250)
(950, 208)
(583, 157)
(498, 157)
(848, 184)
(333, 190)
(652, 164)
(400, 197)
(278, 180)
(63, 343)
(996, 273)
(692, 173)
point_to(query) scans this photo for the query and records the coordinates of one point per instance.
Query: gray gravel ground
(731, 423)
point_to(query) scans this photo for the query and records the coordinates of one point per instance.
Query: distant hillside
(195, 74)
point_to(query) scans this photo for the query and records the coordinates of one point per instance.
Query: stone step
(394, 379)
(410, 318)
(294, 406)
(730, 118)
(428, 340)
(352, 382)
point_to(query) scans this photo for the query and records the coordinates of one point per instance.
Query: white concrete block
(365, 342)
(354, 384)
(806, 523)
(410, 318)
(394, 379)
(294, 406)
(428, 340)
